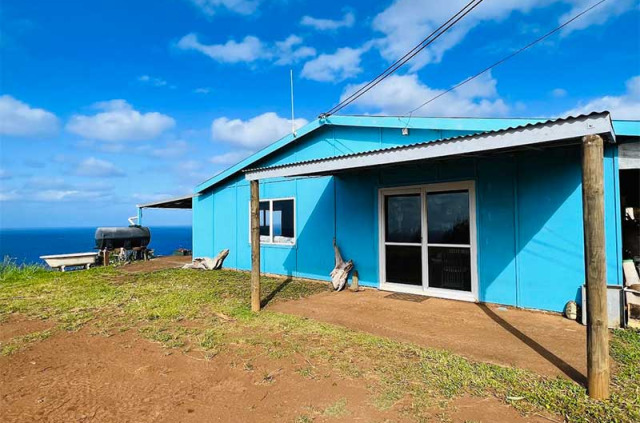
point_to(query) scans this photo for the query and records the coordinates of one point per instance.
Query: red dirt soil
(82, 377)
(546, 343)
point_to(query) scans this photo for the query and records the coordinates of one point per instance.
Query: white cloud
(54, 189)
(5, 175)
(119, 121)
(9, 195)
(156, 82)
(20, 119)
(242, 7)
(399, 94)
(93, 167)
(559, 93)
(600, 15)
(231, 157)
(625, 106)
(291, 51)
(202, 90)
(407, 22)
(328, 24)
(256, 132)
(250, 49)
(335, 67)
(171, 149)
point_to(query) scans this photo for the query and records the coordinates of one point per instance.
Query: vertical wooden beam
(596, 277)
(255, 246)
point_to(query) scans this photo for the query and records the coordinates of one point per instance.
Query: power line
(504, 59)
(408, 56)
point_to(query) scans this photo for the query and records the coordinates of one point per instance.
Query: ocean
(27, 245)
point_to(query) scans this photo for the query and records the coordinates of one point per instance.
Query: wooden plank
(594, 239)
(255, 246)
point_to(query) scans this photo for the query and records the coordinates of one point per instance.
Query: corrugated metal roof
(520, 128)
(631, 128)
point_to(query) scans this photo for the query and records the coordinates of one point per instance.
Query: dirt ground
(123, 378)
(546, 343)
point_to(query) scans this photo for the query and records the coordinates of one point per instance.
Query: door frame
(423, 190)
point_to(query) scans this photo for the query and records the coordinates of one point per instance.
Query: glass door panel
(403, 239)
(448, 240)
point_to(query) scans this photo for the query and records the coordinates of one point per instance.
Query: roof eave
(553, 131)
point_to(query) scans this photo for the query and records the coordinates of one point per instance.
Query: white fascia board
(554, 131)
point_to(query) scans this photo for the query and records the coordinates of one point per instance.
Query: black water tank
(122, 237)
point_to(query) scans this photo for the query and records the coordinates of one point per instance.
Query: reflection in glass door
(448, 240)
(403, 238)
(428, 240)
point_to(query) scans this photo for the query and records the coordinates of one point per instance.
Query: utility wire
(408, 56)
(504, 59)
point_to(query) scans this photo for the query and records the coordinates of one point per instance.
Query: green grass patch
(209, 312)
(19, 343)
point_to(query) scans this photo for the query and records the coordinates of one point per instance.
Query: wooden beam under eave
(595, 263)
(255, 245)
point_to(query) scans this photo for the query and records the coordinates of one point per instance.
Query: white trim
(271, 236)
(424, 289)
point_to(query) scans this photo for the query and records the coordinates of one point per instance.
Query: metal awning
(559, 131)
(183, 202)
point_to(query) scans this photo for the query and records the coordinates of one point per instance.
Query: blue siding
(357, 232)
(550, 235)
(203, 225)
(528, 211)
(496, 212)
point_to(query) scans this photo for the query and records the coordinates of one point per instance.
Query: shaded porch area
(544, 343)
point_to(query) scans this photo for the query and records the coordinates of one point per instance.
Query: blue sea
(27, 245)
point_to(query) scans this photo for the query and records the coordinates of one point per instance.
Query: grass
(208, 313)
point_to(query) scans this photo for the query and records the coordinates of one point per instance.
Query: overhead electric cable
(408, 56)
(504, 59)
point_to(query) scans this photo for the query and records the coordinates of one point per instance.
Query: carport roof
(555, 131)
(183, 202)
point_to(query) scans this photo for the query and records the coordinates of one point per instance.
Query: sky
(105, 105)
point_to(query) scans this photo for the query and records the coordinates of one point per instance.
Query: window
(277, 221)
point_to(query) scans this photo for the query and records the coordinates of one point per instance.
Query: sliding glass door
(428, 240)
(403, 238)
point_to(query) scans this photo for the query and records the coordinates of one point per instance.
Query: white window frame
(424, 289)
(270, 240)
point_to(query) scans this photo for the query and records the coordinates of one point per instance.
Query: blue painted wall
(528, 205)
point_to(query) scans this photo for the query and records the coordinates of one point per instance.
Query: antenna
(293, 120)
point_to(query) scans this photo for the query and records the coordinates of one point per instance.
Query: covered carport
(182, 202)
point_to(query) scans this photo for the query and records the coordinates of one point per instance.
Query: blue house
(486, 210)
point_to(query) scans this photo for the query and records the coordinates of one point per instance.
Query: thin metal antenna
(293, 119)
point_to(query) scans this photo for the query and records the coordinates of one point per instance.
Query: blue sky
(107, 104)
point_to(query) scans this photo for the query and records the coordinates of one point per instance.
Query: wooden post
(255, 246)
(355, 281)
(105, 257)
(593, 218)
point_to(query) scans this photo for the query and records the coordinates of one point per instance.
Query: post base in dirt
(595, 263)
(255, 246)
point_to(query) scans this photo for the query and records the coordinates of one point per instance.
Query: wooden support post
(355, 281)
(105, 257)
(593, 218)
(255, 246)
